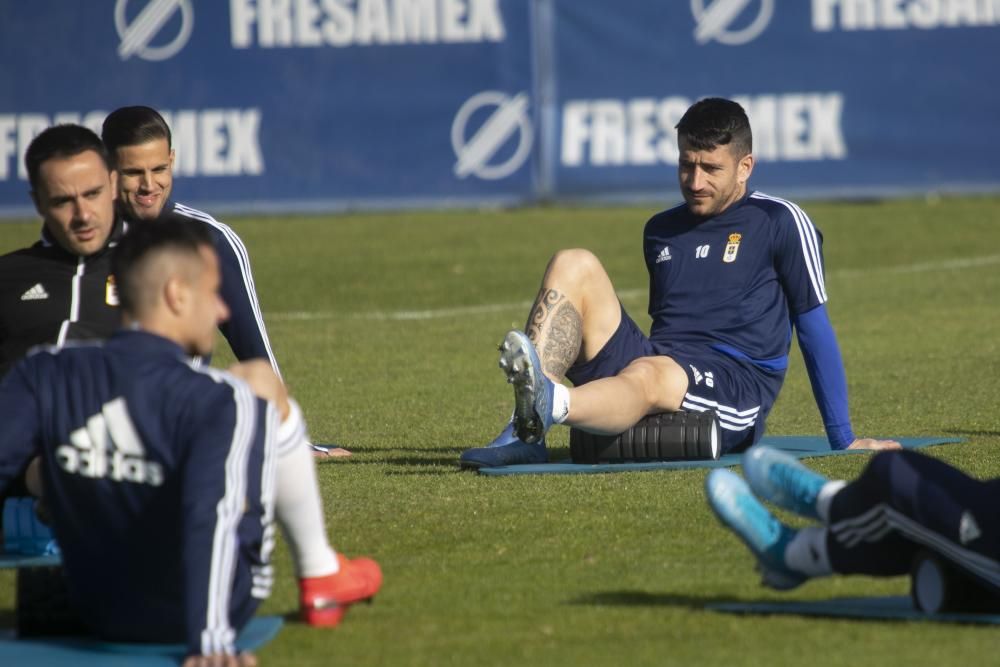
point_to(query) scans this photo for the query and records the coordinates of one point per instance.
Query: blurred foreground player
(162, 478)
(139, 142)
(731, 273)
(902, 506)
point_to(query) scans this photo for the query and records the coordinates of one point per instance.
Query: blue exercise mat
(82, 652)
(800, 446)
(898, 608)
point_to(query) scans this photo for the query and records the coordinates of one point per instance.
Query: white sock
(297, 503)
(560, 402)
(825, 497)
(807, 553)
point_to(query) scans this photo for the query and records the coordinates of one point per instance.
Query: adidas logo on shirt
(35, 293)
(109, 447)
(664, 255)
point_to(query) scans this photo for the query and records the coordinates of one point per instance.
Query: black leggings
(905, 501)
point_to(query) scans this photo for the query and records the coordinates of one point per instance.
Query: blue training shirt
(157, 477)
(732, 281)
(737, 281)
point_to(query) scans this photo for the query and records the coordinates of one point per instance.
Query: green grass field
(385, 327)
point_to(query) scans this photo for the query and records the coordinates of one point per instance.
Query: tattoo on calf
(545, 303)
(555, 327)
(562, 346)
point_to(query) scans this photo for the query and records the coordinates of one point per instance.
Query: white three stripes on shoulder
(809, 241)
(243, 257)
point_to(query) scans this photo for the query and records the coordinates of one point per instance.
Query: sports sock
(297, 501)
(560, 402)
(806, 552)
(825, 497)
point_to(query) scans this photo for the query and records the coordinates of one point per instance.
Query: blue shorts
(741, 394)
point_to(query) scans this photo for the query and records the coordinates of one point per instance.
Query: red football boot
(324, 600)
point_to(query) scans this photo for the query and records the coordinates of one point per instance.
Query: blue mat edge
(257, 633)
(567, 467)
(892, 608)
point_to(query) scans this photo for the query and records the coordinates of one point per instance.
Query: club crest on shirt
(111, 292)
(733, 247)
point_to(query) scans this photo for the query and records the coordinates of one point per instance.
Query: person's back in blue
(163, 480)
(731, 272)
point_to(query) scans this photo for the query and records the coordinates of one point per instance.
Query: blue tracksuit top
(738, 281)
(156, 476)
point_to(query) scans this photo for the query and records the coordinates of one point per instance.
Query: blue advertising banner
(845, 97)
(286, 105)
(282, 104)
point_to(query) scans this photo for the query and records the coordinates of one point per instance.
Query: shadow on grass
(402, 448)
(423, 462)
(444, 457)
(645, 599)
(420, 461)
(963, 431)
(436, 472)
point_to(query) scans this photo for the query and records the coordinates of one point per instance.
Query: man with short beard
(731, 272)
(139, 142)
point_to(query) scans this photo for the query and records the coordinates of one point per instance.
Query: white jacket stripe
(264, 578)
(244, 259)
(218, 636)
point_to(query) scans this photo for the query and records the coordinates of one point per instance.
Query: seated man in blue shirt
(139, 142)
(731, 272)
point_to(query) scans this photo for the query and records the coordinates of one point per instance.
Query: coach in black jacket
(61, 288)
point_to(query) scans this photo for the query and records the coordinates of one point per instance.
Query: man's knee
(663, 382)
(575, 264)
(264, 382)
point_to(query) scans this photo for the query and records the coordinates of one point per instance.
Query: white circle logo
(715, 20)
(509, 115)
(137, 36)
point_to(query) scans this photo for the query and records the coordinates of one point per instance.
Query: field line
(624, 294)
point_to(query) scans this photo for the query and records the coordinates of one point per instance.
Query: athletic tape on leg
(669, 436)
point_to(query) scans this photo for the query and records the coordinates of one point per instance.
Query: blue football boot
(781, 479)
(737, 508)
(532, 389)
(505, 450)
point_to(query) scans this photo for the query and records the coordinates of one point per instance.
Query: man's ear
(175, 295)
(744, 168)
(113, 174)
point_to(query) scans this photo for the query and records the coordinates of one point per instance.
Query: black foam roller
(668, 436)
